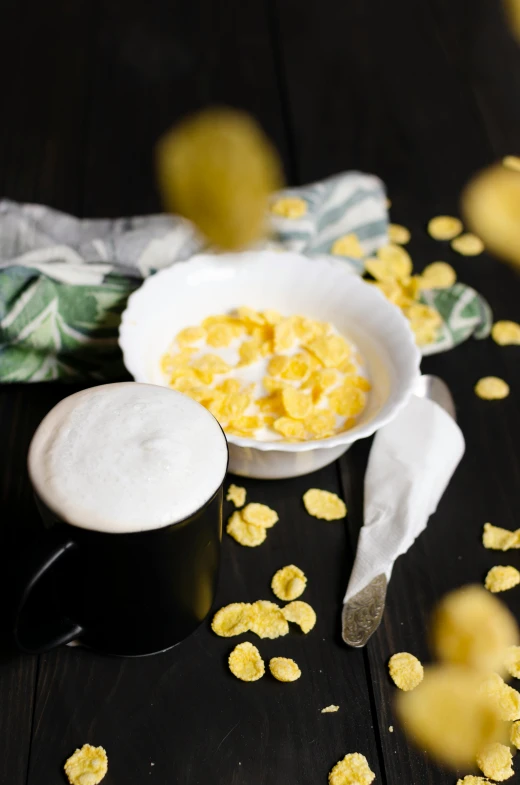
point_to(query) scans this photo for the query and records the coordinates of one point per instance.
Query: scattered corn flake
(502, 578)
(246, 663)
(352, 770)
(277, 364)
(229, 386)
(274, 385)
(87, 766)
(437, 275)
(506, 333)
(347, 400)
(289, 207)
(511, 162)
(284, 669)
(472, 628)
(425, 322)
(512, 661)
(321, 423)
(249, 351)
(190, 335)
(398, 234)
(330, 709)
(308, 329)
(347, 245)
(288, 583)
(391, 728)
(291, 429)
(444, 227)
(448, 716)
(233, 619)
(514, 736)
(330, 350)
(405, 670)
(398, 261)
(268, 620)
(470, 779)
(324, 504)
(259, 515)
(297, 369)
(245, 533)
(300, 613)
(468, 245)
(496, 761)
(297, 405)
(491, 388)
(497, 539)
(505, 698)
(237, 495)
(284, 335)
(220, 335)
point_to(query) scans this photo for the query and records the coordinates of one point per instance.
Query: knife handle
(362, 614)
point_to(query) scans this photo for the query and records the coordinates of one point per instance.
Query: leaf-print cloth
(64, 281)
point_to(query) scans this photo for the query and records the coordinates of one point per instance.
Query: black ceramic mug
(125, 594)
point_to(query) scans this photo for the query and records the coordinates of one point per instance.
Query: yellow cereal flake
(448, 716)
(347, 400)
(209, 364)
(491, 388)
(397, 260)
(398, 234)
(324, 504)
(288, 583)
(472, 628)
(511, 162)
(444, 227)
(271, 316)
(505, 698)
(330, 709)
(229, 386)
(514, 734)
(259, 515)
(245, 533)
(237, 495)
(220, 335)
(347, 245)
(502, 578)
(512, 661)
(246, 663)
(352, 770)
(273, 386)
(190, 335)
(470, 779)
(292, 429)
(296, 369)
(497, 539)
(424, 321)
(496, 761)
(278, 364)
(284, 669)
(232, 619)
(268, 620)
(249, 351)
(289, 207)
(405, 670)
(244, 426)
(506, 333)
(307, 330)
(321, 423)
(297, 405)
(331, 350)
(437, 275)
(300, 613)
(284, 336)
(468, 245)
(87, 766)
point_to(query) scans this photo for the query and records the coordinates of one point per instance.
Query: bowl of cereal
(297, 358)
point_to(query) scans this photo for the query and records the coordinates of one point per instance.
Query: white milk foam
(127, 457)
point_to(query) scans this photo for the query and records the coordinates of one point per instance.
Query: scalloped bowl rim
(389, 411)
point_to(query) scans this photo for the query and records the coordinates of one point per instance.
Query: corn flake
(245, 533)
(468, 245)
(506, 333)
(284, 335)
(496, 762)
(330, 350)
(497, 539)
(424, 321)
(444, 227)
(511, 162)
(300, 613)
(321, 423)
(470, 779)
(291, 429)
(347, 400)
(259, 515)
(268, 620)
(87, 766)
(330, 709)
(246, 663)
(505, 698)
(502, 578)
(288, 583)
(512, 661)
(232, 619)
(284, 669)
(405, 670)
(514, 735)
(297, 405)
(324, 504)
(347, 245)
(249, 351)
(491, 388)
(296, 369)
(220, 335)
(190, 335)
(289, 207)
(352, 770)
(398, 234)
(448, 716)
(397, 260)
(437, 275)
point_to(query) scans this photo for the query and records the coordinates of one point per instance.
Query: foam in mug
(127, 457)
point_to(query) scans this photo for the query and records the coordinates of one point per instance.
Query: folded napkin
(410, 464)
(64, 282)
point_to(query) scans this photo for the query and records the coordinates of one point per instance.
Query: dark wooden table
(422, 92)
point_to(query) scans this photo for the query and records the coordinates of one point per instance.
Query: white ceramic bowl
(322, 289)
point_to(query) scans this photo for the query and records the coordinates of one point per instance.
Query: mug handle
(62, 629)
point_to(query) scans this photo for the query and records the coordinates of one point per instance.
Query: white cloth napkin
(411, 462)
